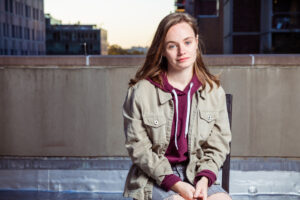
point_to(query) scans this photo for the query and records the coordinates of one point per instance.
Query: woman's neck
(180, 79)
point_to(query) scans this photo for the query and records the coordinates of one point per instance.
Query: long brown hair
(155, 63)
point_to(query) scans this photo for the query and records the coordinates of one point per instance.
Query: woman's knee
(219, 196)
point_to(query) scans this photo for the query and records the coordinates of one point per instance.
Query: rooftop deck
(61, 127)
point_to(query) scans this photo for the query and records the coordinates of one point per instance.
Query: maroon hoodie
(177, 151)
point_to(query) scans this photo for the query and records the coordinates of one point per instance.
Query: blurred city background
(64, 72)
(70, 27)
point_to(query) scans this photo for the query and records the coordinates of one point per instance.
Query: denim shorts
(158, 193)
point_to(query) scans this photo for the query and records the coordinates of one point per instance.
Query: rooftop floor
(104, 178)
(30, 195)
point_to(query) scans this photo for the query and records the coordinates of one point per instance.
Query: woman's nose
(181, 50)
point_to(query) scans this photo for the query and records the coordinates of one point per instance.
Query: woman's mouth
(182, 59)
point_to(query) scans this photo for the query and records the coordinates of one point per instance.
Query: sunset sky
(128, 23)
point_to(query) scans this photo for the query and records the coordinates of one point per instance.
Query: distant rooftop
(57, 24)
(52, 20)
(75, 26)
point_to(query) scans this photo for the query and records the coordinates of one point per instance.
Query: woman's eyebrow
(170, 42)
(187, 38)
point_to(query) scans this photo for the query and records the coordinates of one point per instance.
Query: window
(21, 9)
(6, 6)
(286, 14)
(11, 6)
(41, 15)
(37, 14)
(20, 31)
(56, 36)
(33, 37)
(26, 33)
(27, 11)
(4, 29)
(246, 44)
(13, 31)
(242, 20)
(207, 8)
(67, 47)
(16, 8)
(33, 13)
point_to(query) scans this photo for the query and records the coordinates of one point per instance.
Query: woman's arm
(216, 147)
(138, 144)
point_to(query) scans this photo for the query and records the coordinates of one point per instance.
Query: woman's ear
(197, 39)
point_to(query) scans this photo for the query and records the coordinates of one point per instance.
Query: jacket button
(209, 117)
(155, 122)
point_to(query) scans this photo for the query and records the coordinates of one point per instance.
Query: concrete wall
(71, 106)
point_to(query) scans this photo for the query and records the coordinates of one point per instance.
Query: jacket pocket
(208, 116)
(153, 120)
(207, 121)
(155, 126)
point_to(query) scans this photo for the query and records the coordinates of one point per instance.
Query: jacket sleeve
(216, 147)
(137, 142)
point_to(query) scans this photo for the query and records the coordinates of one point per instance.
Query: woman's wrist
(204, 179)
(208, 174)
(176, 186)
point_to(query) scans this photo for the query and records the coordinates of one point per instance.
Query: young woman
(175, 119)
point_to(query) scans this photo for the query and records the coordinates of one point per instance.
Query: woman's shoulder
(214, 93)
(142, 88)
(142, 84)
(214, 89)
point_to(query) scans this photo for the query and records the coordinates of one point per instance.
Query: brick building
(22, 27)
(246, 26)
(74, 39)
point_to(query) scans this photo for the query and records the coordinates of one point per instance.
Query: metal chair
(226, 165)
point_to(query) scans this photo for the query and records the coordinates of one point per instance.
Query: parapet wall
(72, 105)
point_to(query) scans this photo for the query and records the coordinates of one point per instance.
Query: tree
(116, 50)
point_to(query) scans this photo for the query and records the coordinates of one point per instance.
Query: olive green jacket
(148, 114)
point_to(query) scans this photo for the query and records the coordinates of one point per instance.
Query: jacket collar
(163, 96)
(203, 92)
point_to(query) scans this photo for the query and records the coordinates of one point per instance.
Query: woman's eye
(172, 46)
(188, 42)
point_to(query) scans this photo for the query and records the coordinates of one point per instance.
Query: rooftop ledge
(135, 60)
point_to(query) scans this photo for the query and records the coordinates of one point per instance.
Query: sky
(128, 22)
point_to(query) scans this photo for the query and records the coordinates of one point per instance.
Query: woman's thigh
(219, 196)
(214, 189)
(158, 193)
(216, 192)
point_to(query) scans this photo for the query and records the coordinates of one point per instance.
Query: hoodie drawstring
(176, 107)
(187, 114)
(188, 110)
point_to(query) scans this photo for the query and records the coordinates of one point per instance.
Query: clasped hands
(189, 192)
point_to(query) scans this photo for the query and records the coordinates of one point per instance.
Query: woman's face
(180, 47)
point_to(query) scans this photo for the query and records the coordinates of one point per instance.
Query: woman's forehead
(179, 31)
